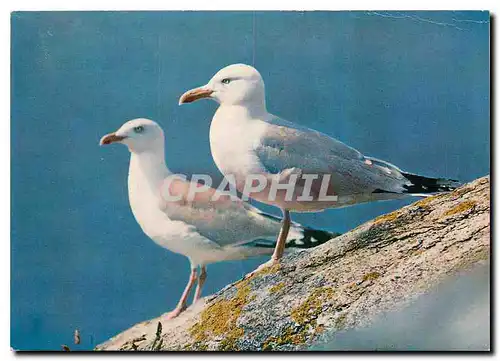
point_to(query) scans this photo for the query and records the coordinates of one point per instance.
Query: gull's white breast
(176, 236)
(233, 136)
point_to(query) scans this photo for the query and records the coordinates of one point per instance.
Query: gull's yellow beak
(195, 94)
(111, 138)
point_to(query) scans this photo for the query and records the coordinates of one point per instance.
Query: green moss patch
(305, 315)
(277, 287)
(289, 337)
(220, 319)
(311, 308)
(424, 203)
(371, 276)
(268, 270)
(462, 207)
(386, 218)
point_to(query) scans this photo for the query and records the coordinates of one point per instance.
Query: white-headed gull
(246, 140)
(201, 228)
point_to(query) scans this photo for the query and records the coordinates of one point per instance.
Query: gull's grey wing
(225, 222)
(285, 145)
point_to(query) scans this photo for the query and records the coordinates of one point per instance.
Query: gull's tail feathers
(309, 238)
(298, 236)
(422, 186)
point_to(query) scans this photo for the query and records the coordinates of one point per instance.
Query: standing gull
(246, 140)
(208, 228)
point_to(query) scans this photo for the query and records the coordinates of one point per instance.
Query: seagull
(209, 228)
(246, 140)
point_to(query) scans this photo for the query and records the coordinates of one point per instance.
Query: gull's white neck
(146, 173)
(253, 105)
(234, 131)
(148, 168)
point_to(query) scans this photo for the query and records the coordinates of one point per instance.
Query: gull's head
(236, 84)
(139, 135)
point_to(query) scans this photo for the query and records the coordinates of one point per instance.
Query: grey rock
(345, 284)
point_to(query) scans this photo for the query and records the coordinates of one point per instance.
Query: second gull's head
(138, 134)
(236, 84)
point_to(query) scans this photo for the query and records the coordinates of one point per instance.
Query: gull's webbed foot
(272, 262)
(174, 313)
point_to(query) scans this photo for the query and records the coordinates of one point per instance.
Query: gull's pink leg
(181, 306)
(280, 245)
(201, 282)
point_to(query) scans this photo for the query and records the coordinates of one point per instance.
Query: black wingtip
(312, 238)
(421, 184)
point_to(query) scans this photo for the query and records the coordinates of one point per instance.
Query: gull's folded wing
(216, 216)
(284, 146)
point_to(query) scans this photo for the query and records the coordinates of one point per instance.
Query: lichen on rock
(311, 308)
(386, 218)
(277, 287)
(220, 318)
(378, 267)
(461, 207)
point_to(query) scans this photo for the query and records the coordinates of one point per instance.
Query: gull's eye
(139, 129)
(226, 81)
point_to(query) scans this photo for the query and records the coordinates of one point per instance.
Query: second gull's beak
(195, 94)
(111, 138)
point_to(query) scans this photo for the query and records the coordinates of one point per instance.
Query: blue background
(410, 88)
